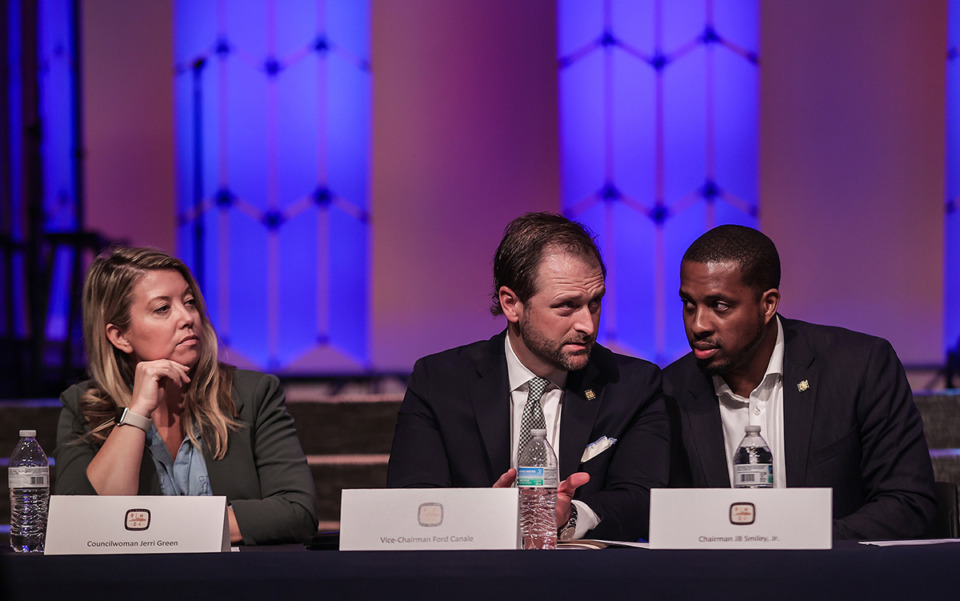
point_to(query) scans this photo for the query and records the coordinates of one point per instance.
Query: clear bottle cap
(538, 433)
(28, 433)
(752, 429)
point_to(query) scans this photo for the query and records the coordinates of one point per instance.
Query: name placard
(101, 525)
(429, 518)
(741, 518)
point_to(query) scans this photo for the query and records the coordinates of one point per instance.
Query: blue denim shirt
(185, 476)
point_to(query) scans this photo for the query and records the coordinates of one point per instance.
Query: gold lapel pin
(589, 394)
(803, 386)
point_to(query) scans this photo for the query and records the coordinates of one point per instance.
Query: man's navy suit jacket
(852, 426)
(454, 430)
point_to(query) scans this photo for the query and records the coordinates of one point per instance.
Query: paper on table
(596, 543)
(908, 543)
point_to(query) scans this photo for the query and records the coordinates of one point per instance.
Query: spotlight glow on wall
(273, 117)
(659, 115)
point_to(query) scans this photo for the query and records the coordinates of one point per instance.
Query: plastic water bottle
(29, 479)
(753, 463)
(537, 479)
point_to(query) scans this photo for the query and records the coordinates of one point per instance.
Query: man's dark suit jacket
(454, 430)
(853, 426)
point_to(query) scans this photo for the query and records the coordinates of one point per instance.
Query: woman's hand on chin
(149, 381)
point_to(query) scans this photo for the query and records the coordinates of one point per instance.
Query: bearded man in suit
(834, 405)
(461, 421)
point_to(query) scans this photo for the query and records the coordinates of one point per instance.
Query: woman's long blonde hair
(107, 296)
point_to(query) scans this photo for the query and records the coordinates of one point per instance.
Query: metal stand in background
(953, 367)
(41, 365)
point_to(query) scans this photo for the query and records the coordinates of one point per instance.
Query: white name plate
(403, 519)
(101, 525)
(741, 518)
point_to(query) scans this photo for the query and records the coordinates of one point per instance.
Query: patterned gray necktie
(532, 412)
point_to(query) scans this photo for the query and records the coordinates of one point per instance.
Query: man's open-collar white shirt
(552, 402)
(764, 408)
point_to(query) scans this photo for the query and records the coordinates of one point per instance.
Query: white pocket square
(595, 448)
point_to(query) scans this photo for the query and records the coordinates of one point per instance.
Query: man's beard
(541, 347)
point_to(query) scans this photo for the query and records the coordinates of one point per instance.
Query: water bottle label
(29, 477)
(753, 474)
(536, 477)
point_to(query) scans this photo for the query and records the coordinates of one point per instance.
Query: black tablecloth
(849, 571)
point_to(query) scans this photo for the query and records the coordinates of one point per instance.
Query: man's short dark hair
(755, 253)
(524, 242)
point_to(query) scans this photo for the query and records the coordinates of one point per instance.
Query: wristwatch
(568, 529)
(128, 418)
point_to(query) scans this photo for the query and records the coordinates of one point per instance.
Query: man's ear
(770, 301)
(117, 339)
(511, 305)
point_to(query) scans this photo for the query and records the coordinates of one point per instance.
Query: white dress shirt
(552, 403)
(764, 408)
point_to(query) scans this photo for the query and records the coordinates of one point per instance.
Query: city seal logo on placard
(742, 514)
(137, 519)
(430, 514)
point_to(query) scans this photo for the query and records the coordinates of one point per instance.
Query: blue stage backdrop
(951, 313)
(13, 305)
(61, 208)
(58, 210)
(659, 117)
(273, 131)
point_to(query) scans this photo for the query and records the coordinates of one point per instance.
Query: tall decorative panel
(952, 206)
(659, 116)
(13, 215)
(59, 115)
(273, 117)
(41, 217)
(41, 183)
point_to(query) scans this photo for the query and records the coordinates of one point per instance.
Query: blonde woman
(161, 415)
